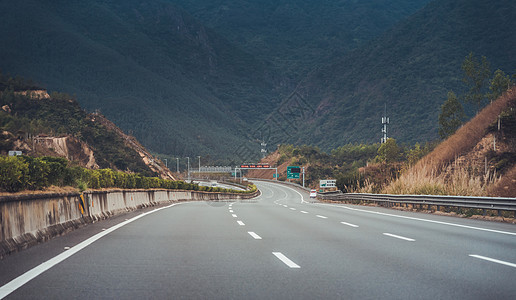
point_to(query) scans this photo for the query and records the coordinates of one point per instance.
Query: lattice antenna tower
(385, 121)
(263, 150)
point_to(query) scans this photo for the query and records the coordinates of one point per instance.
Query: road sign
(330, 183)
(293, 172)
(255, 166)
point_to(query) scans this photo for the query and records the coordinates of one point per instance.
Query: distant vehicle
(313, 193)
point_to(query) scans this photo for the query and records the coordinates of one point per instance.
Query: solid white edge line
(254, 235)
(302, 198)
(21, 280)
(419, 219)
(322, 217)
(399, 237)
(240, 223)
(349, 224)
(286, 260)
(493, 260)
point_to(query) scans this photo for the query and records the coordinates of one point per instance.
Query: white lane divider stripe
(254, 235)
(493, 260)
(399, 237)
(304, 212)
(240, 223)
(292, 208)
(21, 280)
(230, 210)
(349, 224)
(418, 219)
(285, 206)
(322, 217)
(234, 216)
(286, 260)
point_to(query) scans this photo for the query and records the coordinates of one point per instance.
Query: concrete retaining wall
(30, 219)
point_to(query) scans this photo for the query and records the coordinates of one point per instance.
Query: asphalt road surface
(277, 246)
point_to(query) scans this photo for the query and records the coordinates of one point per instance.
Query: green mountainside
(151, 68)
(297, 35)
(409, 69)
(202, 77)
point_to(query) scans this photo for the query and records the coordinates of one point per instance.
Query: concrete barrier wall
(30, 219)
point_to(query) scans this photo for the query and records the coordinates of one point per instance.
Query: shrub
(14, 173)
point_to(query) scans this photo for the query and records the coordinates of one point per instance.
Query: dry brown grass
(433, 174)
(460, 182)
(466, 137)
(50, 190)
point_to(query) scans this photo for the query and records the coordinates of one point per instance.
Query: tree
(476, 73)
(451, 116)
(388, 151)
(499, 84)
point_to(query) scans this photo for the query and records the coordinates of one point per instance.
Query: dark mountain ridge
(298, 35)
(183, 89)
(410, 69)
(147, 65)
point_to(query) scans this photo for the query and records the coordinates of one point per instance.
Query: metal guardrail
(484, 203)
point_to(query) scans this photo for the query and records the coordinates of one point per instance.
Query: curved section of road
(279, 245)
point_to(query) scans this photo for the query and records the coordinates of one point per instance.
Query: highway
(279, 245)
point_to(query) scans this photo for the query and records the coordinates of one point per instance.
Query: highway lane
(276, 246)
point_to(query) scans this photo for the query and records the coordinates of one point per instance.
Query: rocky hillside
(42, 124)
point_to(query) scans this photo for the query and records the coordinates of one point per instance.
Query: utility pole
(303, 176)
(166, 163)
(385, 121)
(199, 166)
(177, 167)
(188, 167)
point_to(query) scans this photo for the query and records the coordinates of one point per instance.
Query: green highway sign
(293, 172)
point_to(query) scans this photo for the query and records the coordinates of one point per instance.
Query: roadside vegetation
(467, 162)
(18, 173)
(356, 167)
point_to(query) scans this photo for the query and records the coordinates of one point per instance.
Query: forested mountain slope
(298, 35)
(148, 66)
(410, 69)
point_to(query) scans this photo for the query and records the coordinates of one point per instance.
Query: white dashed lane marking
(493, 260)
(349, 224)
(254, 235)
(399, 237)
(286, 260)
